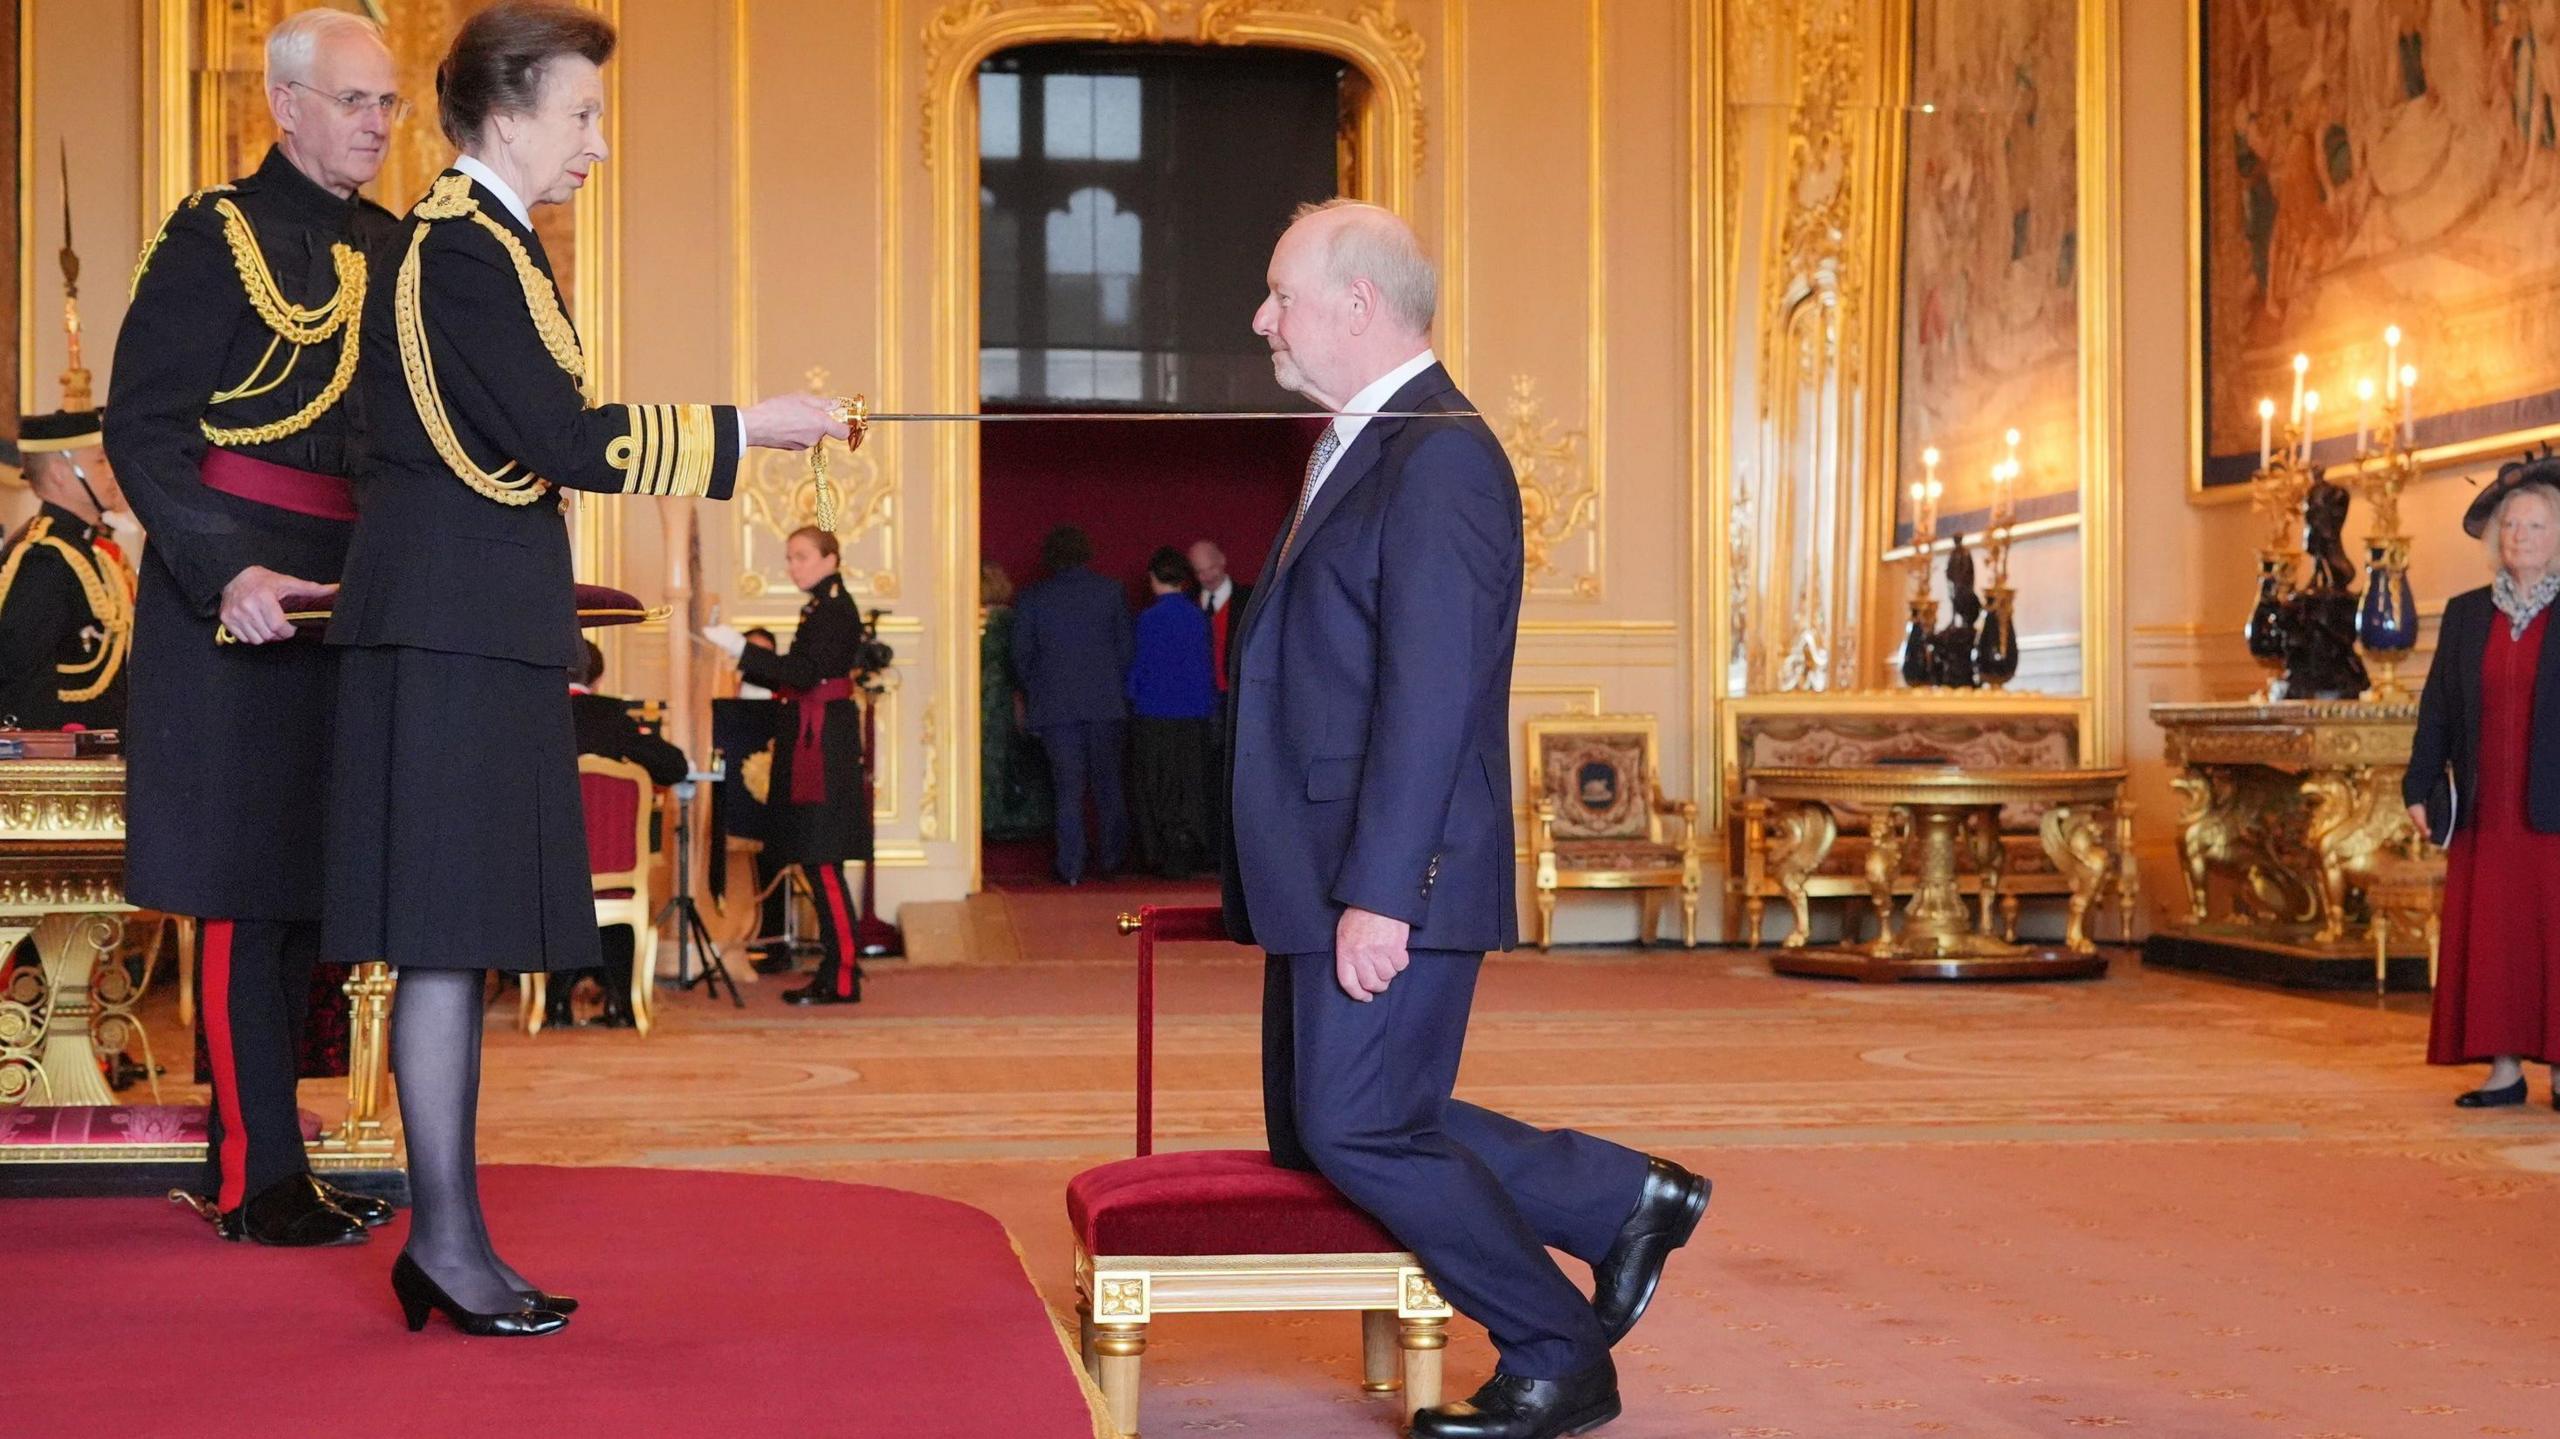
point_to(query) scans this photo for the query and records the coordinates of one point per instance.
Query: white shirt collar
(471, 165)
(1347, 425)
(1225, 591)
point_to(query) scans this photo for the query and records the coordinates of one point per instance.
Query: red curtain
(1138, 485)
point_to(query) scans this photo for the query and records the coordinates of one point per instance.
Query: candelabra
(2387, 623)
(1995, 654)
(2276, 491)
(1919, 665)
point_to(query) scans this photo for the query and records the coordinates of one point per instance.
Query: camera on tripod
(873, 656)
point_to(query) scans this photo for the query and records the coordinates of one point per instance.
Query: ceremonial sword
(856, 414)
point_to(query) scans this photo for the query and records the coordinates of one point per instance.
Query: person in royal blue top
(1173, 699)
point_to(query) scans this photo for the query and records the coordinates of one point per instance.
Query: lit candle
(2266, 432)
(2364, 412)
(2301, 367)
(1935, 490)
(2391, 362)
(2408, 406)
(2310, 410)
(1919, 513)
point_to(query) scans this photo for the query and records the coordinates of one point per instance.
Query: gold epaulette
(294, 325)
(144, 263)
(671, 450)
(108, 600)
(450, 199)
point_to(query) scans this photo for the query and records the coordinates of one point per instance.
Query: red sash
(304, 492)
(808, 750)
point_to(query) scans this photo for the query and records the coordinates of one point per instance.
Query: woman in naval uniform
(457, 842)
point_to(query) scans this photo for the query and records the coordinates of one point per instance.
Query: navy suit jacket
(1071, 648)
(1370, 764)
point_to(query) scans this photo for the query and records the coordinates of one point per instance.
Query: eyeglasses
(354, 103)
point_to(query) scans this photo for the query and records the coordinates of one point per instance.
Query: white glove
(126, 529)
(724, 639)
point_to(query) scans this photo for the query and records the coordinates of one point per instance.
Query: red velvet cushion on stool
(1216, 1201)
(116, 1124)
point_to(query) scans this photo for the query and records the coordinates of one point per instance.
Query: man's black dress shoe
(2494, 1098)
(818, 991)
(290, 1214)
(1510, 1407)
(366, 1210)
(1667, 1213)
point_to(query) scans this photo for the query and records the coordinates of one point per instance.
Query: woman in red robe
(2486, 765)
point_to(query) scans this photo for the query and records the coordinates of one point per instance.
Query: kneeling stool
(1227, 1231)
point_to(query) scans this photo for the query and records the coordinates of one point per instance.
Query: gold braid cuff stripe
(670, 451)
(449, 200)
(108, 600)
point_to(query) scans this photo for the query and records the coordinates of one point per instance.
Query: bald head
(1352, 296)
(1208, 564)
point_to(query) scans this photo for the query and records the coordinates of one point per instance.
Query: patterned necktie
(1326, 444)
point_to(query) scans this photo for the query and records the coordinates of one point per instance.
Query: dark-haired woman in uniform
(816, 815)
(457, 841)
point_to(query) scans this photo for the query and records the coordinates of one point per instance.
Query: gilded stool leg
(1649, 912)
(1422, 1341)
(1546, 919)
(533, 994)
(1120, 1348)
(1084, 1334)
(2435, 933)
(1378, 1351)
(2381, 947)
(188, 936)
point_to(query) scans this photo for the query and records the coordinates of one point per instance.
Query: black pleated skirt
(456, 837)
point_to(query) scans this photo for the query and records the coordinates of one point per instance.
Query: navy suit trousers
(1091, 753)
(1362, 1094)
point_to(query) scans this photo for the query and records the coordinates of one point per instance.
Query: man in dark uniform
(66, 599)
(607, 727)
(233, 425)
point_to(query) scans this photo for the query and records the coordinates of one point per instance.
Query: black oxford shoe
(290, 1214)
(1667, 1213)
(818, 991)
(366, 1210)
(1510, 1407)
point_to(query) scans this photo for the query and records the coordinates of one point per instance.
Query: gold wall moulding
(1559, 496)
(1368, 33)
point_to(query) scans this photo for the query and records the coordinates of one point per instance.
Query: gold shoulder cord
(144, 263)
(292, 324)
(107, 600)
(451, 200)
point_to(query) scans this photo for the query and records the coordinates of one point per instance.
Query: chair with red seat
(1225, 1231)
(616, 795)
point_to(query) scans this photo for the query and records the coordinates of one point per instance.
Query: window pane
(999, 373)
(999, 116)
(1115, 117)
(1066, 116)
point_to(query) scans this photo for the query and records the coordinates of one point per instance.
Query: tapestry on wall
(2386, 162)
(1990, 285)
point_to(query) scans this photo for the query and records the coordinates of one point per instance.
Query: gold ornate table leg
(1991, 858)
(365, 1135)
(60, 1016)
(1802, 839)
(2075, 839)
(1884, 862)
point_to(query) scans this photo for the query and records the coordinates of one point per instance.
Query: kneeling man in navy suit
(1371, 851)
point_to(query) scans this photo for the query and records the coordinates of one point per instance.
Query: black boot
(291, 1214)
(1510, 1407)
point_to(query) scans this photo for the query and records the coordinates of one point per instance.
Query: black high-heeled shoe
(418, 1295)
(2492, 1098)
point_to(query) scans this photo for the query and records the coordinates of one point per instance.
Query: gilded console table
(2296, 806)
(62, 886)
(1938, 812)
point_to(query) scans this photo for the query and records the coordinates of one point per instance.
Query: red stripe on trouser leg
(831, 879)
(215, 968)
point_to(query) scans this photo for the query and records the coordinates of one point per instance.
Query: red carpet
(715, 1303)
